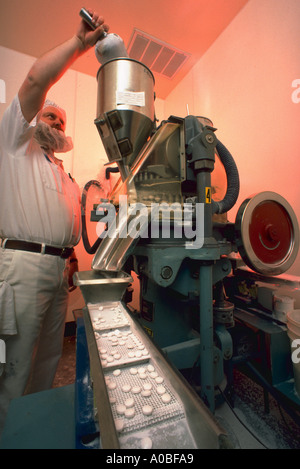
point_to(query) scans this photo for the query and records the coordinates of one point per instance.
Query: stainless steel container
(125, 109)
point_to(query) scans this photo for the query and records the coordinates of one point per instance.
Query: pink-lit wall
(248, 84)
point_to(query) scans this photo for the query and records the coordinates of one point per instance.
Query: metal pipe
(206, 335)
(206, 298)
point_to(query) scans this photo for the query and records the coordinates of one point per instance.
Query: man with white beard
(40, 223)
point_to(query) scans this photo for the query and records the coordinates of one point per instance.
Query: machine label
(131, 98)
(149, 331)
(208, 195)
(147, 310)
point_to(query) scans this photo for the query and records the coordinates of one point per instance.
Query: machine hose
(233, 181)
(89, 249)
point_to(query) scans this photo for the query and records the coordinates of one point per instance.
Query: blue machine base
(60, 418)
(87, 430)
(44, 420)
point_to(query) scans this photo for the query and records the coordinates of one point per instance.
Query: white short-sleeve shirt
(38, 201)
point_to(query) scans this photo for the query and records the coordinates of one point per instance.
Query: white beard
(52, 139)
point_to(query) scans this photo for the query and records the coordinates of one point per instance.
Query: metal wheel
(267, 233)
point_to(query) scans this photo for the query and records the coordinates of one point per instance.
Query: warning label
(208, 195)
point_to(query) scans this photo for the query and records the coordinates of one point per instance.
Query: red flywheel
(267, 233)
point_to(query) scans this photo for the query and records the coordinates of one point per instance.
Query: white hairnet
(48, 103)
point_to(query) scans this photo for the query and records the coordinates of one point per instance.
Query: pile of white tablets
(136, 391)
(107, 317)
(119, 346)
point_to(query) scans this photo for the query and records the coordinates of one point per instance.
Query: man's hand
(89, 37)
(51, 66)
(73, 267)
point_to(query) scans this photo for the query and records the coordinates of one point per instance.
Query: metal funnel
(125, 110)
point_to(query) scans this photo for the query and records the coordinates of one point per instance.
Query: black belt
(36, 247)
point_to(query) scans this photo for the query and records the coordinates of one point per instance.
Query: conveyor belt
(145, 399)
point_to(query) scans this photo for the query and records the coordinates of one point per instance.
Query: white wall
(244, 85)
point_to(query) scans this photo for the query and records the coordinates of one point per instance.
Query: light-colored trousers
(39, 285)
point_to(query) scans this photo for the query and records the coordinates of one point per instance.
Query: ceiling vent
(159, 56)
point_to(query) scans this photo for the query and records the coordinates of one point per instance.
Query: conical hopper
(125, 110)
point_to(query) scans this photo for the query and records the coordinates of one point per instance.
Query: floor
(247, 423)
(66, 371)
(250, 426)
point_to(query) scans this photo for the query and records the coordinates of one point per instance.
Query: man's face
(54, 118)
(50, 130)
